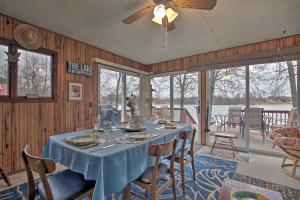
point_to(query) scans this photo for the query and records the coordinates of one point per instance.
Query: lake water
(223, 109)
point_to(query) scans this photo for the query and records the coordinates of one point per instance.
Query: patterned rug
(210, 173)
(287, 193)
(225, 153)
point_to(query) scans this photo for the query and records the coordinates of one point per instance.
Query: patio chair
(288, 139)
(63, 185)
(234, 116)
(257, 121)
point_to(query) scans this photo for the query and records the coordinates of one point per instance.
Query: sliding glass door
(175, 98)
(273, 95)
(161, 99)
(251, 101)
(115, 85)
(226, 103)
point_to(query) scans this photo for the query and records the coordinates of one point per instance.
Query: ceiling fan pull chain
(166, 37)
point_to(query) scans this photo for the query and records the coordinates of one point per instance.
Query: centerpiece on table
(135, 120)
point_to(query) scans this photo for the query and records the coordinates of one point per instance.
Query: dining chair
(64, 185)
(185, 155)
(4, 176)
(152, 175)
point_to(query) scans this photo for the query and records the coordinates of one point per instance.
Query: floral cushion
(288, 136)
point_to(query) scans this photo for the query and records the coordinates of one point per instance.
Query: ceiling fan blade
(137, 15)
(195, 4)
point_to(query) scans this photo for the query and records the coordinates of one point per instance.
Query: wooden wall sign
(80, 69)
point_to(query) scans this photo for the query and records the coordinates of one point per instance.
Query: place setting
(168, 126)
(135, 137)
(90, 141)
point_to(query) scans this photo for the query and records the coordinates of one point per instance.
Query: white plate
(139, 136)
(132, 129)
(82, 140)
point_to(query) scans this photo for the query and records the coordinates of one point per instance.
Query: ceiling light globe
(159, 11)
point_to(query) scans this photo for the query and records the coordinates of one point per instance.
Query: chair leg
(263, 135)
(173, 184)
(294, 167)
(283, 161)
(5, 177)
(193, 166)
(214, 144)
(232, 146)
(127, 192)
(182, 177)
(153, 193)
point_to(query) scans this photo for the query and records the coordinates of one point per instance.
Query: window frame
(8, 72)
(13, 75)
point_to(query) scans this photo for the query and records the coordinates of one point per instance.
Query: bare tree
(34, 74)
(110, 84)
(186, 84)
(161, 89)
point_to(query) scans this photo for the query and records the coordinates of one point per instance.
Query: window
(34, 74)
(133, 86)
(110, 88)
(4, 71)
(161, 91)
(31, 76)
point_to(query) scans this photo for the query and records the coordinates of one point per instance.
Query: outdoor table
(222, 121)
(112, 168)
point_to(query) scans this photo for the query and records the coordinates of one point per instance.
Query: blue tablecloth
(112, 168)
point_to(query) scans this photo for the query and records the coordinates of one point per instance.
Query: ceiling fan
(164, 11)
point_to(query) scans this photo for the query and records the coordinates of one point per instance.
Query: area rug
(287, 193)
(225, 153)
(210, 173)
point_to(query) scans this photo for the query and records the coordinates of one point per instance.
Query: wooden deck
(256, 140)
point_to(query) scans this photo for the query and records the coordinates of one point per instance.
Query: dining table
(113, 164)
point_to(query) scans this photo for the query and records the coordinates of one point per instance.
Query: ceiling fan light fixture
(159, 11)
(157, 20)
(171, 15)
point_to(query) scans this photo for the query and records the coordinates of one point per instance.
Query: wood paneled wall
(32, 123)
(183, 63)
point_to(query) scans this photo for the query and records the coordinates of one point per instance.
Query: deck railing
(180, 115)
(278, 117)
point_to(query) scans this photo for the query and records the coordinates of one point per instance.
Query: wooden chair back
(187, 135)
(40, 166)
(159, 150)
